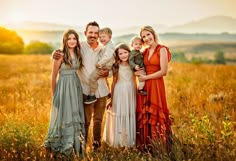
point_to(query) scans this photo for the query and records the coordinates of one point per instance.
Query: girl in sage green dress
(66, 126)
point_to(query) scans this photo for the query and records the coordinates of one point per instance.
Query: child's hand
(137, 67)
(97, 66)
(109, 106)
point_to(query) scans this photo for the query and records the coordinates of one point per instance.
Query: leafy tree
(220, 58)
(201, 60)
(37, 47)
(10, 42)
(197, 60)
(178, 56)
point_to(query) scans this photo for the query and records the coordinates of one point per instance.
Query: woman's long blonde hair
(65, 49)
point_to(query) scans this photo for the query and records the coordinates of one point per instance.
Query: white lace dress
(120, 125)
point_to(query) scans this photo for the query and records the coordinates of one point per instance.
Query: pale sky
(114, 13)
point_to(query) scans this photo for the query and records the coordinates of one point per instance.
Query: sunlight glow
(16, 17)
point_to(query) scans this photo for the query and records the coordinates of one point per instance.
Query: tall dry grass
(201, 100)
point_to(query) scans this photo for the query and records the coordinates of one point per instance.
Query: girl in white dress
(120, 125)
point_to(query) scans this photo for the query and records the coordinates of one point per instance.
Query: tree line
(12, 43)
(219, 58)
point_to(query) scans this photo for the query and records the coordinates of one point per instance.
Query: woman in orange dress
(153, 122)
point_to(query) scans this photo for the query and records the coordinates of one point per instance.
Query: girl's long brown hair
(115, 67)
(65, 48)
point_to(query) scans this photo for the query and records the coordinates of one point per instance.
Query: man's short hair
(93, 23)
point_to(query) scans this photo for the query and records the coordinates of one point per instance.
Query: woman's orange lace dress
(153, 120)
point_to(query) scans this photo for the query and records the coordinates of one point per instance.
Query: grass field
(201, 99)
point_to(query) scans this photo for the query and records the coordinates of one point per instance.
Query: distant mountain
(45, 26)
(39, 26)
(215, 24)
(183, 37)
(215, 28)
(136, 29)
(41, 31)
(53, 36)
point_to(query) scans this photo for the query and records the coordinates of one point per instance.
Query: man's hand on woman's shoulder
(57, 54)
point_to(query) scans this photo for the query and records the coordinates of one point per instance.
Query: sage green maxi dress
(66, 127)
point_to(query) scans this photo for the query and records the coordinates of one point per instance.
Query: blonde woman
(153, 122)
